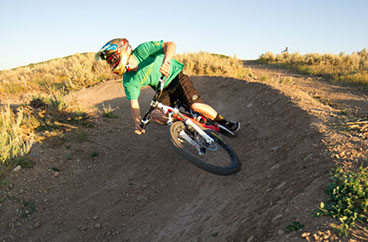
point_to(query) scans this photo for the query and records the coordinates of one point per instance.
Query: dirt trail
(116, 186)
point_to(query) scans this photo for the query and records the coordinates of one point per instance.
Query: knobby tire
(223, 161)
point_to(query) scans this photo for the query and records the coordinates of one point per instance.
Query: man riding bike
(144, 66)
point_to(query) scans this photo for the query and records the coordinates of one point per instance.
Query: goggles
(113, 60)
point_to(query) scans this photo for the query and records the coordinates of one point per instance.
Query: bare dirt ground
(107, 184)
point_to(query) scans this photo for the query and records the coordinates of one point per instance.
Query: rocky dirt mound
(107, 184)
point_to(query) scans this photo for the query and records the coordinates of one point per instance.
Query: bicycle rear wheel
(218, 158)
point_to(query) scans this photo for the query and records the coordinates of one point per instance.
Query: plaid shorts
(181, 88)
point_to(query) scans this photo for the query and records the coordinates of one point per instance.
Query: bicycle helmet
(116, 52)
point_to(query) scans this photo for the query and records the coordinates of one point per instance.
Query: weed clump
(108, 112)
(348, 199)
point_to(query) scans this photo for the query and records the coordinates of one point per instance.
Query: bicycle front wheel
(218, 157)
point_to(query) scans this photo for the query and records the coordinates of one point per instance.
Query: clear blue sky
(38, 30)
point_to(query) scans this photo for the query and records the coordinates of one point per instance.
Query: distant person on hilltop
(144, 66)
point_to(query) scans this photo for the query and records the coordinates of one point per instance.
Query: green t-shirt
(150, 56)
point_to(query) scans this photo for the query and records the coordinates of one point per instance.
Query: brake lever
(162, 83)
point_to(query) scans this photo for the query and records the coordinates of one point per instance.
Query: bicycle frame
(174, 114)
(194, 137)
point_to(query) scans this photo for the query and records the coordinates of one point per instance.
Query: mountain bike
(195, 137)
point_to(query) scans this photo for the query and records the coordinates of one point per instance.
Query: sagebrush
(14, 139)
(71, 73)
(207, 64)
(340, 68)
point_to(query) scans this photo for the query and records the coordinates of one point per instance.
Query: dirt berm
(107, 184)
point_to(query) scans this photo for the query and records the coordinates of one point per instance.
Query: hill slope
(116, 186)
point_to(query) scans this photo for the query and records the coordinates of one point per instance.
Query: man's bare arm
(136, 116)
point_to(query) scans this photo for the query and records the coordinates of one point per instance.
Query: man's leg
(192, 98)
(210, 113)
(204, 109)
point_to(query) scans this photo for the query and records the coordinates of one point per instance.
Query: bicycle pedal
(202, 151)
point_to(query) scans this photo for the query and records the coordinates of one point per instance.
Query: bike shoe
(231, 128)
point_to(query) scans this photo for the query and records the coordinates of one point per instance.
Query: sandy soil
(113, 185)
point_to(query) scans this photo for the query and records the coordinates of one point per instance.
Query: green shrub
(348, 202)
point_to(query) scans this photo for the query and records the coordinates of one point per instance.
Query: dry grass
(42, 118)
(71, 73)
(15, 140)
(80, 70)
(208, 64)
(340, 68)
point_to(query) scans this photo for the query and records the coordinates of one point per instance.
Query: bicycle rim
(218, 158)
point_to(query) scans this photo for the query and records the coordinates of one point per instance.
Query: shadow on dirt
(139, 189)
